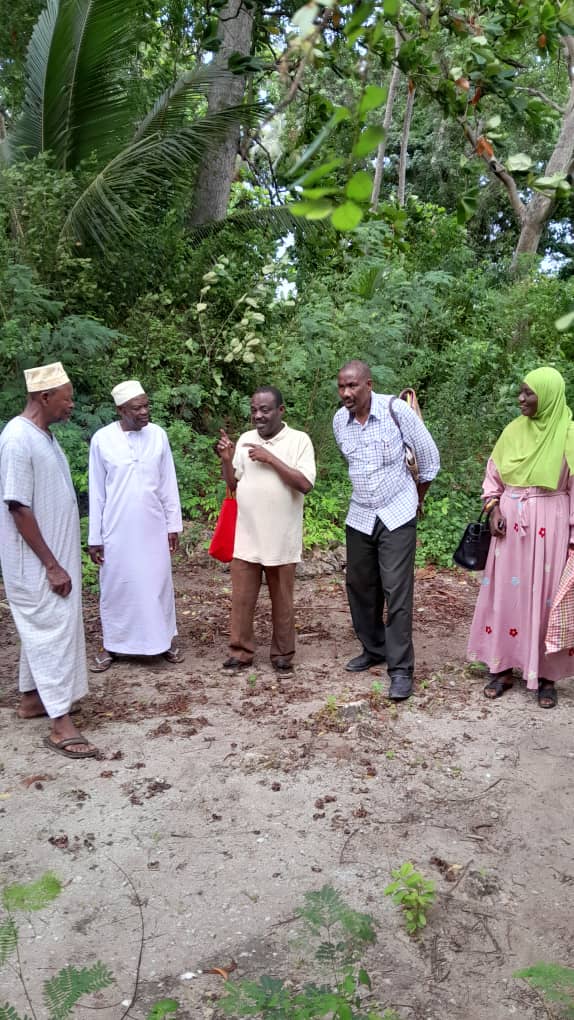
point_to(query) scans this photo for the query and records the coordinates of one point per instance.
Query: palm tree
(80, 106)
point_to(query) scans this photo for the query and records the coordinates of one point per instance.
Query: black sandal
(547, 694)
(496, 687)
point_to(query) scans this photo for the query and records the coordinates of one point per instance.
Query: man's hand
(260, 453)
(59, 580)
(96, 554)
(173, 542)
(225, 448)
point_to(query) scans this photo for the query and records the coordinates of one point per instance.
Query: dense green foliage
(203, 317)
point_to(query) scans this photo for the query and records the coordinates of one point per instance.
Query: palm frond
(175, 104)
(275, 220)
(78, 97)
(114, 201)
(28, 137)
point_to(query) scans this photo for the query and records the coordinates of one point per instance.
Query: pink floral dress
(521, 577)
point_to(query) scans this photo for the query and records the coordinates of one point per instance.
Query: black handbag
(472, 550)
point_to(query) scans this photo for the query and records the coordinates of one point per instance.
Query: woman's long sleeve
(492, 486)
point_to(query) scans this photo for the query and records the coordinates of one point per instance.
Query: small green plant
(63, 991)
(339, 935)
(390, 754)
(162, 1008)
(414, 893)
(556, 983)
(376, 693)
(331, 707)
(252, 682)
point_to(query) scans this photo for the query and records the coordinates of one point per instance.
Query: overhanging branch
(498, 170)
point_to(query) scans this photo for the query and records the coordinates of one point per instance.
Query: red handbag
(223, 540)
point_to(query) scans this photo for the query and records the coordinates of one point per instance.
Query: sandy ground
(219, 800)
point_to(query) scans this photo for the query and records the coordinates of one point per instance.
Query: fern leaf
(33, 895)
(162, 1008)
(8, 1012)
(8, 939)
(554, 981)
(62, 992)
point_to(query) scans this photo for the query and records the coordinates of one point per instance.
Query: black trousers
(380, 572)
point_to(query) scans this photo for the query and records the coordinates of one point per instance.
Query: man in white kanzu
(272, 468)
(41, 559)
(135, 520)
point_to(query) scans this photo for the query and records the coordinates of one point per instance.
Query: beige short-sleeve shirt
(269, 512)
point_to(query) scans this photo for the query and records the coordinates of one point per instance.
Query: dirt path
(219, 801)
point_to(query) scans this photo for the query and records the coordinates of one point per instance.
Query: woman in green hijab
(529, 490)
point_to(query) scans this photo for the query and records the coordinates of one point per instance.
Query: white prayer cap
(125, 391)
(45, 377)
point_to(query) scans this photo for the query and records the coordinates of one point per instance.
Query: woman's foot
(498, 684)
(547, 693)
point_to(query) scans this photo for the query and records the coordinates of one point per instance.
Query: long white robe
(34, 471)
(134, 505)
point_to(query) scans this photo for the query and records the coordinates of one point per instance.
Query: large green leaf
(368, 140)
(347, 216)
(79, 93)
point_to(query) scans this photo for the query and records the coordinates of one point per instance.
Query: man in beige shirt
(271, 469)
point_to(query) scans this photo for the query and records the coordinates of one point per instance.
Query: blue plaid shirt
(382, 485)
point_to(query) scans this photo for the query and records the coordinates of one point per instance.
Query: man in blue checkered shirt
(381, 523)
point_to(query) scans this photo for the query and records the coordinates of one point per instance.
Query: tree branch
(499, 171)
(542, 95)
(380, 165)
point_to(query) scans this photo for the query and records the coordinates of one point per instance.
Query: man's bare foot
(31, 706)
(64, 729)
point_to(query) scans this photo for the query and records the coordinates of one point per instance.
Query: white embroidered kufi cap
(45, 377)
(125, 391)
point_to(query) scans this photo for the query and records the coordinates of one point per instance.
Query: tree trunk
(405, 142)
(539, 208)
(217, 169)
(380, 165)
(537, 212)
